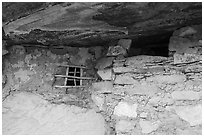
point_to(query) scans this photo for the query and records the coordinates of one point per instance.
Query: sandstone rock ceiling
(95, 24)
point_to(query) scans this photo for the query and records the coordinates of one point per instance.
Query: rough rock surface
(116, 51)
(126, 109)
(26, 113)
(105, 74)
(104, 63)
(124, 126)
(159, 96)
(125, 43)
(186, 95)
(170, 79)
(125, 79)
(148, 127)
(98, 100)
(103, 87)
(191, 114)
(84, 23)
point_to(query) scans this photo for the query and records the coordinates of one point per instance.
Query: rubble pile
(153, 94)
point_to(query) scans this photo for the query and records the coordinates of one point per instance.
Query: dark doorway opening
(152, 45)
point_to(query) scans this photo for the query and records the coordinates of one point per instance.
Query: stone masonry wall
(32, 70)
(153, 94)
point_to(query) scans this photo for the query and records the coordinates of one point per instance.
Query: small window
(73, 76)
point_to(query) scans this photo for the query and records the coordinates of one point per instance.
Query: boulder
(105, 74)
(28, 114)
(125, 109)
(103, 86)
(191, 114)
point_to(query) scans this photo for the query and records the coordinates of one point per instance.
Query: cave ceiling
(95, 24)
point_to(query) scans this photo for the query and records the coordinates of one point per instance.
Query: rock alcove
(131, 68)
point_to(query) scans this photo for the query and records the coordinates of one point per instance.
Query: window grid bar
(67, 73)
(81, 74)
(75, 76)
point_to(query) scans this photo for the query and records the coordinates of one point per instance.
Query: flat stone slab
(186, 58)
(105, 74)
(126, 78)
(186, 95)
(167, 79)
(138, 89)
(103, 86)
(28, 114)
(139, 61)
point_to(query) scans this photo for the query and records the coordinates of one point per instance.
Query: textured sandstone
(125, 43)
(139, 61)
(123, 126)
(148, 127)
(191, 114)
(126, 109)
(104, 63)
(125, 79)
(25, 113)
(186, 95)
(170, 79)
(103, 86)
(105, 74)
(98, 100)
